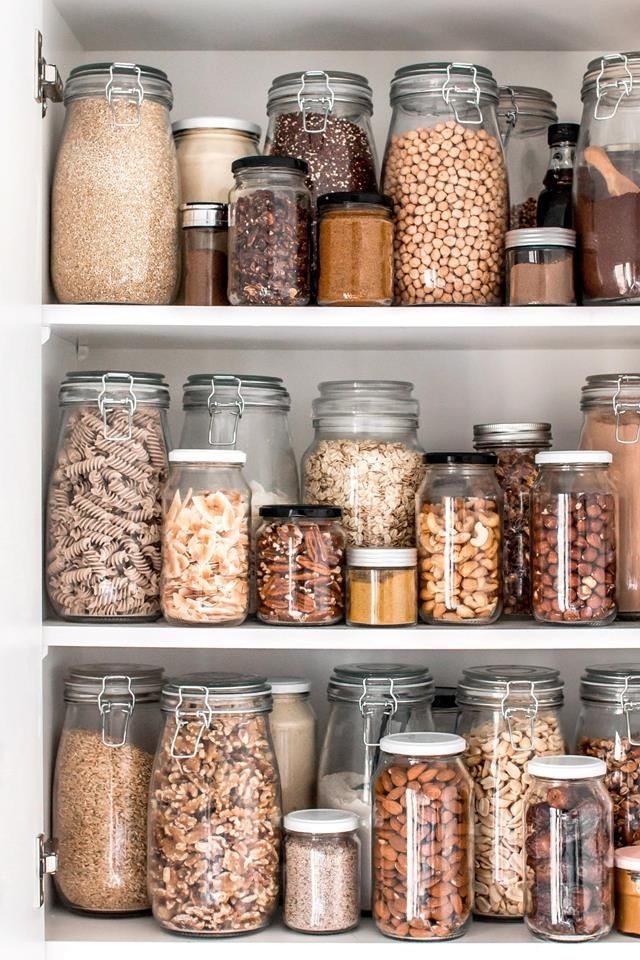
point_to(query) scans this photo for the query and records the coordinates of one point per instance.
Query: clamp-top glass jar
(104, 511)
(101, 786)
(508, 715)
(444, 170)
(214, 809)
(524, 115)
(368, 701)
(115, 193)
(607, 180)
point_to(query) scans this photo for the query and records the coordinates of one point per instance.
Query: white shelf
(352, 328)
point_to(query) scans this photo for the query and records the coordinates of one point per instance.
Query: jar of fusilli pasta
(104, 511)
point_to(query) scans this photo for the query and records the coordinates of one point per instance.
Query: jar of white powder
(293, 731)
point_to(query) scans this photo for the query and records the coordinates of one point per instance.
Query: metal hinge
(48, 82)
(47, 861)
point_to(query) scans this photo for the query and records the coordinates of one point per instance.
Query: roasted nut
(516, 472)
(524, 214)
(622, 782)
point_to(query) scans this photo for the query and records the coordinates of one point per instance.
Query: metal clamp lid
(108, 402)
(620, 408)
(624, 84)
(309, 102)
(115, 711)
(511, 711)
(371, 701)
(186, 716)
(628, 704)
(510, 115)
(125, 84)
(469, 92)
(216, 405)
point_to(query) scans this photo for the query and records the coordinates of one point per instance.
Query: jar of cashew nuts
(422, 838)
(459, 537)
(508, 714)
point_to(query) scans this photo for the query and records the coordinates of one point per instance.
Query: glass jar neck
(366, 423)
(348, 209)
(461, 469)
(555, 468)
(270, 177)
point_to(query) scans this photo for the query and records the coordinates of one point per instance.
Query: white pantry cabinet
(468, 364)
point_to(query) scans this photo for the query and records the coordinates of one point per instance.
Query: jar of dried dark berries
(515, 445)
(269, 232)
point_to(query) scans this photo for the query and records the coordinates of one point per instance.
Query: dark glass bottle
(554, 203)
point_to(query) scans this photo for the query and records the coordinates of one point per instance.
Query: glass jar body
(459, 513)
(627, 901)
(355, 255)
(568, 849)
(205, 155)
(321, 882)
(205, 545)
(540, 276)
(573, 544)
(525, 146)
(381, 597)
(422, 868)
(293, 728)
(100, 796)
(204, 267)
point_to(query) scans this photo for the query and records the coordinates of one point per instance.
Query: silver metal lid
(217, 693)
(459, 82)
(127, 81)
(86, 682)
(489, 685)
(255, 390)
(318, 90)
(114, 387)
(540, 237)
(515, 100)
(247, 127)
(487, 436)
(406, 682)
(604, 682)
(205, 215)
(364, 398)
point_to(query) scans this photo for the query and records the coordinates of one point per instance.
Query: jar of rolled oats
(214, 810)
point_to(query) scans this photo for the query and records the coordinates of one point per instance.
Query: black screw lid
(377, 199)
(301, 511)
(479, 459)
(275, 163)
(562, 133)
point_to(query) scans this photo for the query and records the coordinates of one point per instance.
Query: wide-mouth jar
(539, 267)
(381, 586)
(206, 148)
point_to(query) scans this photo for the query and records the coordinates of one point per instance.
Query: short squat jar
(422, 838)
(569, 850)
(573, 551)
(627, 890)
(460, 539)
(381, 587)
(321, 871)
(539, 268)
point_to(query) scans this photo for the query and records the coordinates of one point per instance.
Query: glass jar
(300, 558)
(573, 538)
(206, 148)
(205, 539)
(515, 446)
(422, 863)
(555, 203)
(367, 701)
(269, 233)
(115, 193)
(540, 267)
(611, 407)
(627, 890)
(445, 710)
(355, 250)
(204, 254)
(101, 787)
(214, 809)
(325, 119)
(460, 539)
(606, 183)
(293, 728)
(524, 115)
(444, 170)
(508, 714)
(365, 457)
(104, 511)
(321, 871)
(381, 587)
(609, 728)
(569, 853)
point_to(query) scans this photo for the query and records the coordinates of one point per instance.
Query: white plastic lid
(627, 858)
(321, 821)
(574, 456)
(217, 123)
(207, 456)
(423, 744)
(382, 557)
(289, 685)
(570, 767)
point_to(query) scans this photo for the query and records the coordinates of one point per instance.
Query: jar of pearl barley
(445, 172)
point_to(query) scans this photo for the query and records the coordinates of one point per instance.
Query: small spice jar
(355, 250)
(204, 254)
(299, 564)
(573, 538)
(321, 871)
(381, 587)
(206, 148)
(269, 232)
(293, 729)
(627, 890)
(539, 267)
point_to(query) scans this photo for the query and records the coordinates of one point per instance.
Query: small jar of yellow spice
(381, 587)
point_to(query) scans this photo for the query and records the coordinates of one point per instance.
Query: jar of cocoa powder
(540, 267)
(204, 254)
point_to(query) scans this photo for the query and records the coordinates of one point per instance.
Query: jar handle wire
(511, 116)
(107, 402)
(368, 704)
(470, 93)
(109, 709)
(620, 408)
(307, 103)
(121, 85)
(185, 717)
(528, 712)
(628, 704)
(216, 406)
(624, 84)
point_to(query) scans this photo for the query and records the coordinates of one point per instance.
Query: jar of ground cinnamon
(627, 890)
(204, 254)
(355, 250)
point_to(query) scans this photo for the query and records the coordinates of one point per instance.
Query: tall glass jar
(459, 513)
(569, 853)
(269, 233)
(609, 728)
(293, 728)
(367, 702)
(508, 714)
(206, 147)
(444, 169)
(606, 183)
(204, 254)
(422, 838)
(573, 538)
(366, 458)
(101, 786)
(205, 539)
(214, 809)
(611, 406)
(524, 115)
(115, 193)
(324, 117)
(515, 446)
(104, 510)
